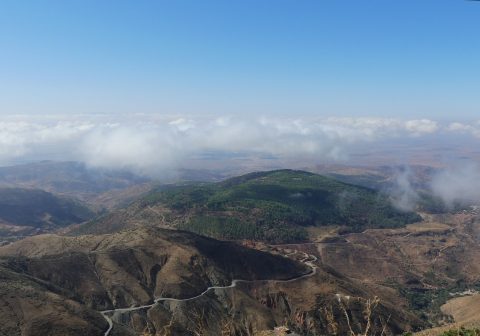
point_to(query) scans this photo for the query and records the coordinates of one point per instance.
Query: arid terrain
(133, 272)
(135, 267)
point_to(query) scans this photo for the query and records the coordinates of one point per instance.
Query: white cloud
(21, 138)
(142, 150)
(402, 192)
(472, 129)
(460, 183)
(421, 126)
(182, 124)
(149, 143)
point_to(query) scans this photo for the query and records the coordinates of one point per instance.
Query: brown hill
(134, 267)
(32, 307)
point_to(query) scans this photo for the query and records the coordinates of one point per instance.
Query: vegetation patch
(277, 206)
(426, 303)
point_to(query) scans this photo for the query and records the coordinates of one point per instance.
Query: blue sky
(376, 58)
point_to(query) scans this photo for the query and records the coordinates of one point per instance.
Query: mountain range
(242, 256)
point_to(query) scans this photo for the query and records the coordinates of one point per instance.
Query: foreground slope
(136, 266)
(50, 278)
(268, 206)
(30, 307)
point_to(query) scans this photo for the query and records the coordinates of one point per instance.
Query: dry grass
(319, 233)
(428, 226)
(465, 311)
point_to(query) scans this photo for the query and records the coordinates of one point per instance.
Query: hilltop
(273, 206)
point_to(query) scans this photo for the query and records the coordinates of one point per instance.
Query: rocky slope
(133, 267)
(30, 307)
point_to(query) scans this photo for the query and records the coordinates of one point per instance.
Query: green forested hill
(276, 206)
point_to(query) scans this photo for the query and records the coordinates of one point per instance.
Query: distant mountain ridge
(36, 211)
(67, 177)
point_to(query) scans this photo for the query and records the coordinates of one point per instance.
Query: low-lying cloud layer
(460, 183)
(472, 129)
(456, 184)
(146, 143)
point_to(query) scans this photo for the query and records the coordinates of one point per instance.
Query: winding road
(308, 260)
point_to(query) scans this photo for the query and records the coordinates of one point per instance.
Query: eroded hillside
(135, 267)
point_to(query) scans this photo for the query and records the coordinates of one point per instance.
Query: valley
(339, 250)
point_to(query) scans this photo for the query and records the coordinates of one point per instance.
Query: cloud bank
(471, 129)
(146, 144)
(458, 184)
